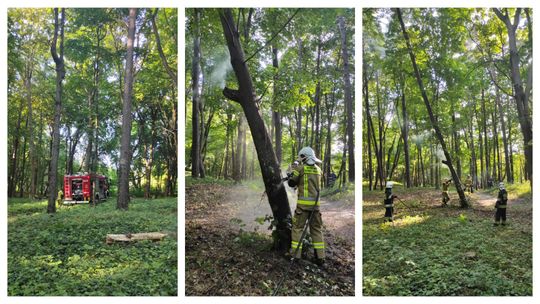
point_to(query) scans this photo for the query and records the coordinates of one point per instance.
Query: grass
(66, 254)
(433, 251)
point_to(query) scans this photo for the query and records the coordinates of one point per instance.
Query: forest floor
(431, 250)
(65, 254)
(228, 245)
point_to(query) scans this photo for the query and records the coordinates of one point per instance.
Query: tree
(60, 73)
(438, 133)
(125, 149)
(245, 94)
(348, 96)
(521, 95)
(195, 86)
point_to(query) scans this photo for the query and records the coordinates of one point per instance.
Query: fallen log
(154, 236)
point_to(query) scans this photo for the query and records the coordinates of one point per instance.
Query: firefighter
(59, 198)
(445, 196)
(306, 175)
(500, 205)
(469, 184)
(389, 202)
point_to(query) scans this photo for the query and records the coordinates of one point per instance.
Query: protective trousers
(500, 214)
(315, 229)
(445, 197)
(389, 214)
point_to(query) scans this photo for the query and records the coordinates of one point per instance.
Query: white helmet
(389, 185)
(308, 156)
(501, 185)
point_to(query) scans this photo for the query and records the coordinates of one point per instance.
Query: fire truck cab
(78, 188)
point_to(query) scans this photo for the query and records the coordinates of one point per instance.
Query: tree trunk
(276, 115)
(405, 135)
(123, 199)
(195, 88)
(31, 145)
(521, 96)
(60, 73)
(245, 96)
(14, 155)
(170, 71)
(486, 143)
(369, 130)
(504, 138)
(348, 96)
(448, 161)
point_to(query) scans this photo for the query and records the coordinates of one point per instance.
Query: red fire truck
(78, 188)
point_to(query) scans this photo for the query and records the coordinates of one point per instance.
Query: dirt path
(224, 257)
(244, 205)
(486, 200)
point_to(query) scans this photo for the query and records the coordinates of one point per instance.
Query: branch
(275, 35)
(231, 94)
(172, 74)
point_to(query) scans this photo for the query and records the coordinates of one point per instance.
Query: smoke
(419, 139)
(220, 71)
(440, 154)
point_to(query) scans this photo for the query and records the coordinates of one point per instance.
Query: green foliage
(445, 252)
(66, 254)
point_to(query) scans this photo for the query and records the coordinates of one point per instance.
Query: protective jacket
(308, 179)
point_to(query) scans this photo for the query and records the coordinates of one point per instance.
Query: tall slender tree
(123, 199)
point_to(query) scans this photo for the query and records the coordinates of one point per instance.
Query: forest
(447, 107)
(91, 92)
(261, 84)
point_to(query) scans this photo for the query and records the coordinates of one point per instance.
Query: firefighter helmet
(389, 185)
(501, 185)
(308, 156)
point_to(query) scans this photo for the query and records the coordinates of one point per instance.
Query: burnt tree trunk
(245, 96)
(463, 200)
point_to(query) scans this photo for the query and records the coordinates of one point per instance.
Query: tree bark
(14, 155)
(463, 200)
(348, 96)
(123, 199)
(245, 95)
(369, 130)
(60, 73)
(405, 133)
(276, 115)
(195, 88)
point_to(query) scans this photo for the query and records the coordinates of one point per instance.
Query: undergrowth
(66, 254)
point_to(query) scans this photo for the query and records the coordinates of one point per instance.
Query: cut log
(154, 236)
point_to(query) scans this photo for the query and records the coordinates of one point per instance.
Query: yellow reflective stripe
(294, 245)
(295, 173)
(502, 206)
(306, 203)
(318, 245)
(306, 192)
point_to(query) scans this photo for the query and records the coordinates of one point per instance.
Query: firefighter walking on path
(469, 184)
(307, 177)
(500, 205)
(445, 196)
(389, 202)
